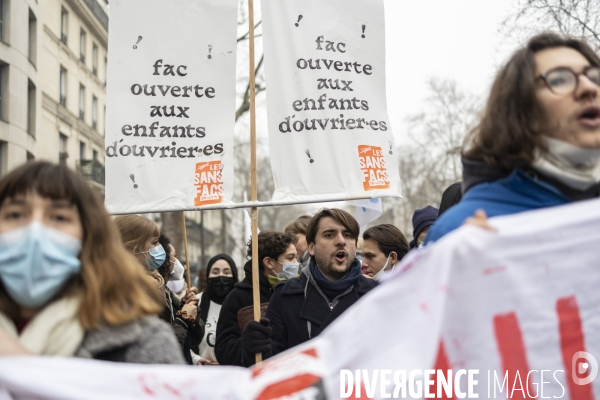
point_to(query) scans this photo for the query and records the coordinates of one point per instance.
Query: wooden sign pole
(254, 197)
(187, 260)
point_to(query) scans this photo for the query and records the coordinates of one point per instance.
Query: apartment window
(62, 148)
(94, 112)
(81, 102)
(82, 46)
(63, 86)
(105, 70)
(3, 19)
(32, 48)
(3, 91)
(95, 155)
(2, 157)
(95, 59)
(64, 25)
(82, 152)
(104, 121)
(31, 103)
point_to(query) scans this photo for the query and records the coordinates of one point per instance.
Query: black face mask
(220, 285)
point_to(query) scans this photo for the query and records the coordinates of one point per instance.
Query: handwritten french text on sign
(372, 165)
(170, 102)
(505, 314)
(325, 71)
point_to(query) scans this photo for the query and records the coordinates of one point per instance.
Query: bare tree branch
(245, 106)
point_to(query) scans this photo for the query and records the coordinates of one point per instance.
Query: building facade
(53, 59)
(19, 82)
(53, 84)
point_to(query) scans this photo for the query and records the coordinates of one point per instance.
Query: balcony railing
(91, 169)
(98, 12)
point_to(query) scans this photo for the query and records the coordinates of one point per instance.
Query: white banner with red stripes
(480, 314)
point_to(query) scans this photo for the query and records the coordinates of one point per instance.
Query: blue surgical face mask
(157, 257)
(290, 270)
(36, 262)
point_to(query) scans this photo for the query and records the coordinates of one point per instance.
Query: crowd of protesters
(76, 282)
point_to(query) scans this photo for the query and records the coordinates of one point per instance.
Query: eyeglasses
(563, 80)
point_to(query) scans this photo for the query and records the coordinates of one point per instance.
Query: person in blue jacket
(537, 144)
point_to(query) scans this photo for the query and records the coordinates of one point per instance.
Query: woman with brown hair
(67, 285)
(538, 142)
(141, 236)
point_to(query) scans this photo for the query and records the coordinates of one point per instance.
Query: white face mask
(178, 270)
(574, 166)
(380, 274)
(290, 270)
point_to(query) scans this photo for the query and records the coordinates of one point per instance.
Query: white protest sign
(170, 104)
(329, 132)
(513, 314)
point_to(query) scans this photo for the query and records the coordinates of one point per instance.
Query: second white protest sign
(330, 136)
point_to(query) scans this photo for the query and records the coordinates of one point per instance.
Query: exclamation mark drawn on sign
(391, 152)
(209, 50)
(309, 157)
(299, 18)
(363, 31)
(135, 186)
(139, 40)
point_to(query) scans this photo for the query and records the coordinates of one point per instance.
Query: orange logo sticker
(209, 183)
(372, 165)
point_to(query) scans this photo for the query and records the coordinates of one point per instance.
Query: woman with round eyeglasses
(537, 144)
(68, 287)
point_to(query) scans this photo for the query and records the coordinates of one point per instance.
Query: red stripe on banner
(571, 342)
(513, 356)
(442, 365)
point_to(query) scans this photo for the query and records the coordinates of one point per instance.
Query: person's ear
(311, 249)
(393, 258)
(268, 262)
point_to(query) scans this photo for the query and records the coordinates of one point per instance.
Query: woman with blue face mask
(67, 286)
(141, 236)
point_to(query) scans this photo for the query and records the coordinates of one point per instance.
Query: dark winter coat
(228, 347)
(189, 337)
(299, 310)
(145, 340)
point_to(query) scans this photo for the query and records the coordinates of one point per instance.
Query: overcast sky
(456, 40)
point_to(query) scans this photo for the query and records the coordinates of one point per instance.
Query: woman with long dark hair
(221, 275)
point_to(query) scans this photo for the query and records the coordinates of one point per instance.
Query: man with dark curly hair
(277, 262)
